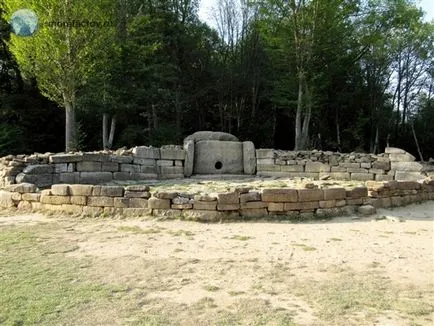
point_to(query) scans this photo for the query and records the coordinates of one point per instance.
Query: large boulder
(210, 135)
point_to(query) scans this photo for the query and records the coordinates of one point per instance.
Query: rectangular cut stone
(265, 161)
(308, 205)
(408, 185)
(377, 171)
(327, 203)
(72, 209)
(147, 152)
(406, 166)
(350, 165)
(404, 157)
(80, 190)
(137, 194)
(228, 198)
(365, 165)
(60, 190)
(164, 163)
(145, 161)
(65, 158)
(250, 196)
(38, 169)
(254, 205)
(121, 159)
(143, 176)
(276, 207)
(181, 206)
(32, 197)
(383, 177)
(108, 191)
(88, 166)
(156, 203)
(279, 161)
(95, 177)
(121, 202)
(254, 213)
(292, 168)
(110, 167)
(334, 193)
(6, 199)
(205, 205)
(338, 169)
(269, 167)
(279, 195)
(175, 170)
(179, 163)
(362, 176)
(69, 178)
(96, 157)
(265, 153)
(228, 207)
(55, 200)
(317, 167)
(310, 195)
(100, 201)
(382, 165)
(138, 203)
(357, 192)
(354, 201)
(132, 168)
(79, 200)
(61, 168)
(172, 154)
(357, 170)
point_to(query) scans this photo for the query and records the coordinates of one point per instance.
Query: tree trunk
(105, 118)
(299, 113)
(112, 132)
(416, 141)
(70, 134)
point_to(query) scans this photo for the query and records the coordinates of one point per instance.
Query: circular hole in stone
(218, 165)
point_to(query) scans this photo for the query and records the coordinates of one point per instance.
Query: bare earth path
(369, 271)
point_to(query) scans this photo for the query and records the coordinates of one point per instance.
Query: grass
(240, 237)
(335, 239)
(304, 247)
(138, 230)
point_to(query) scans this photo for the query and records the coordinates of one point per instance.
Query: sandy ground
(286, 266)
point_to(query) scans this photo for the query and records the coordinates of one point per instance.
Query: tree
(61, 56)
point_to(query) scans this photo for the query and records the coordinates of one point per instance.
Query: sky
(206, 6)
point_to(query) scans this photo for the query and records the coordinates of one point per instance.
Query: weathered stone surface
(108, 191)
(357, 192)
(317, 167)
(79, 200)
(250, 196)
(143, 176)
(170, 153)
(205, 197)
(409, 185)
(92, 211)
(136, 212)
(308, 205)
(16, 196)
(96, 157)
(254, 213)
(24, 206)
(167, 213)
(249, 157)
(88, 166)
(100, 201)
(121, 159)
(156, 203)
(172, 170)
(265, 153)
(354, 201)
(334, 193)
(64, 167)
(228, 198)
(95, 177)
(132, 168)
(189, 158)
(217, 157)
(394, 150)
(279, 195)
(271, 168)
(383, 177)
(254, 205)
(109, 167)
(310, 195)
(72, 209)
(406, 166)
(205, 205)
(121, 202)
(31, 197)
(166, 194)
(140, 188)
(362, 176)
(65, 158)
(147, 152)
(339, 175)
(40, 180)
(148, 169)
(328, 212)
(180, 200)
(202, 215)
(6, 199)
(407, 157)
(69, 178)
(22, 188)
(60, 190)
(382, 165)
(367, 210)
(210, 135)
(80, 190)
(181, 206)
(266, 161)
(228, 207)
(404, 175)
(350, 165)
(55, 200)
(137, 194)
(145, 161)
(122, 176)
(292, 168)
(276, 207)
(327, 203)
(164, 163)
(138, 203)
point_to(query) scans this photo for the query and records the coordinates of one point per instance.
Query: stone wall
(394, 164)
(245, 203)
(139, 163)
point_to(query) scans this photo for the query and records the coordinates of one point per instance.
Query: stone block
(139, 188)
(202, 215)
(89, 166)
(69, 178)
(205, 205)
(121, 176)
(334, 193)
(143, 176)
(60, 190)
(100, 201)
(189, 158)
(254, 205)
(65, 158)
(254, 213)
(121, 159)
(108, 191)
(166, 195)
(147, 152)
(362, 176)
(249, 158)
(396, 201)
(381, 165)
(276, 207)
(6, 199)
(179, 163)
(408, 185)
(80, 190)
(22, 188)
(307, 195)
(92, 211)
(292, 168)
(366, 165)
(367, 210)
(172, 170)
(383, 177)
(339, 175)
(394, 150)
(31, 197)
(354, 201)
(404, 176)
(327, 203)
(138, 203)
(181, 206)
(180, 200)
(40, 180)
(131, 168)
(110, 167)
(95, 177)
(137, 194)
(164, 163)
(171, 176)
(338, 169)
(167, 213)
(148, 169)
(96, 157)
(172, 154)
(268, 168)
(218, 157)
(55, 200)
(279, 195)
(265, 153)
(328, 212)
(341, 202)
(136, 212)
(61, 168)
(16, 196)
(145, 161)
(228, 198)
(156, 203)
(357, 192)
(121, 202)
(350, 165)
(308, 205)
(357, 170)
(377, 171)
(112, 211)
(265, 161)
(406, 166)
(405, 157)
(317, 167)
(79, 200)
(228, 207)
(250, 196)
(72, 209)
(24, 206)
